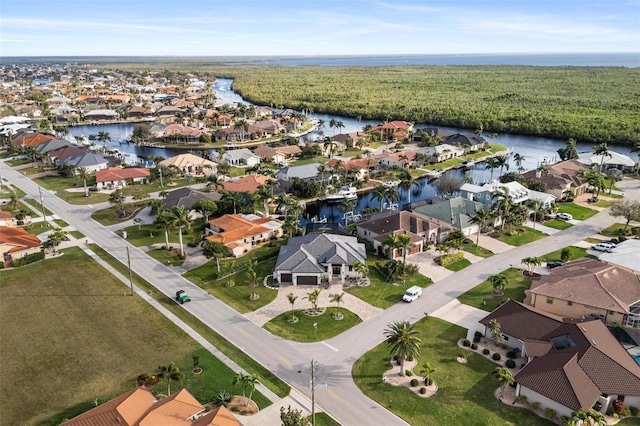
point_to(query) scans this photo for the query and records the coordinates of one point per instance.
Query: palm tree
(504, 378)
(531, 263)
(380, 193)
(482, 217)
(83, 174)
(499, 282)
(182, 219)
(235, 197)
(216, 250)
(496, 331)
(252, 381)
(14, 200)
(426, 371)
(105, 138)
(519, 159)
(241, 125)
(569, 152)
(337, 298)
(263, 194)
(402, 341)
(292, 299)
(56, 237)
(590, 418)
(502, 162)
(322, 171)
(502, 203)
(240, 379)
(166, 220)
(602, 150)
(214, 181)
(491, 164)
(392, 195)
(171, 373)
(536, 208)
(346, 205)
(406, 182)
(333, 124)
(614, 175)
(252, 278)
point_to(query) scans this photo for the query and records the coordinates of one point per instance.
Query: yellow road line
(286, 361)
(244, 332)
(334, 395)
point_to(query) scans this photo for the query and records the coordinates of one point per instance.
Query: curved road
(336, 392)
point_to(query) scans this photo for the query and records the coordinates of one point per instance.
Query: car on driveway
(554, 264)
(182, 296)
(605, 247)
(564, 216)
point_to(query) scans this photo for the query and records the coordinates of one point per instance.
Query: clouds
(196, 27)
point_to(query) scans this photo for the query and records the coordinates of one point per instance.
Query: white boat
(391, 183)
(317, 219)
(345, 192)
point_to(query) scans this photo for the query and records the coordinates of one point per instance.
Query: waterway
(533, 149)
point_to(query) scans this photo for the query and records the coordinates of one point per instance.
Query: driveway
(493, 245)
(428, 267)
(463, 315)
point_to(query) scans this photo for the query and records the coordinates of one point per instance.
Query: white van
(412, 294)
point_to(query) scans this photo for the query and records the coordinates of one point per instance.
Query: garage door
(305, 280)
(286, 278)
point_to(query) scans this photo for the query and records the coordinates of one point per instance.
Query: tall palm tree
(263, 194)
(392, 195)
(614, 175)
(499, 282)
(603, 151)
(182, 219)
(241, 380)
(241, 125)
(322, 171)
(171, 373)
(491, 164)
(399, 242)
(496, 331)
(236, 198)
(536, 208)
(333, 124)
(402, 340)
(502, 203)
(504, 378)
(83, 174)
(482, 217)
(292, 299)
(502, 162)
(406, 182)
(214, 181)
(337, 299)
(531, 263)
(252, 381)
(380, 194)
(166, 220)
(105, 138)
(519, 159)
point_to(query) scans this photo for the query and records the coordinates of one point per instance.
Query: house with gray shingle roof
(571, 365)
(88, 160)
(240, 157)
(305, 260)
(456, 212)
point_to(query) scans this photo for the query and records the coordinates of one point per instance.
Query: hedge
(30, 258)
(448, 259)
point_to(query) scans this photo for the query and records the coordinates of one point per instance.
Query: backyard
(304, 330)
(465, 391)
(481, 297)
(79, 337)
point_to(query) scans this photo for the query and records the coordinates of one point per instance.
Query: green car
(182, 296)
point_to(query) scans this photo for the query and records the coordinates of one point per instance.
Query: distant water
(629, 60)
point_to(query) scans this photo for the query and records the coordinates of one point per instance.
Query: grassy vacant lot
(578, 212)
(276, 385)
(381, 293)
(480, 296)
(57, 183)
(303, 331)
(166, 257)
(109, 217)
(80, 339)
(465, 391)
(574, 253)
(78, 198)
(238, 296)
(148, 234)
(459, 265)
(518, 236)
(613, 230)
(472, 156)
(557, 224)
(304, 161)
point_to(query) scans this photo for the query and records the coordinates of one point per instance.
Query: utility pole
(160, 170)
(313, 393)
(44, 214)
(130, 274)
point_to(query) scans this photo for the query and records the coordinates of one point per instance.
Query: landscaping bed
(303, 330)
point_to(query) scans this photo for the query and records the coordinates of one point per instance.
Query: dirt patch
(243, 406)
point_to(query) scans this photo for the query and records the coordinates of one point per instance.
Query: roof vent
(593, 342)
(583, 329)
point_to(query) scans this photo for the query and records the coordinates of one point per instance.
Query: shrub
(633, 411)
(476, 340)
(550, 413)
(423, 390)
(535, 405)
(510, 363)
(512, 355)
(411, 269)
(565, 254)
(486, 351)
(466, 343)
(448, 259)
(496, 356)
(474, 346)
(521, 399)
(409, 373)
(414, 382)
(30, 258)
(235, 408)
(477, 334)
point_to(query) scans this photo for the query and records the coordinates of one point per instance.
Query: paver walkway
(281, 303)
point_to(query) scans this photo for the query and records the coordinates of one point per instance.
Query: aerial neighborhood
(144, 213)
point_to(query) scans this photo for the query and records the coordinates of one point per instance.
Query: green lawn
(471, 247)
(472, 156)
(80, 338)
(578, 212)
(18, 162)
(465, 391)
(58, 183)
(77, 235)
(630, 421)
(148, 234)
(35, 204)
(613, 230)
(381, 293)
(557, 224)
(304, 161)
(604, 203)
(108, 216)
(459, 265)
(272, 382)
(166, 257)
(303, 330)
(480, 296)
(323, 419)
(518, 236)
(574, 253)
(78, 198)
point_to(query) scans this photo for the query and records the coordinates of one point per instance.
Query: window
(550, 300)
(350, 268)
(569, 303)
(611, 313)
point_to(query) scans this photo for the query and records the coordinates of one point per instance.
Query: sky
(310, 27)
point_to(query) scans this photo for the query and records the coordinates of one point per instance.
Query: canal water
(533, 149)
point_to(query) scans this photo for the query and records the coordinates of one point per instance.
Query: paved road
(337, 393)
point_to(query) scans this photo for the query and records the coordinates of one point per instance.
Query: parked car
(564, 216)
(554, 264)
(412, 294)
(182, 296)
(606, 247)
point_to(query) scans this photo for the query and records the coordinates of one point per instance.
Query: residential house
(139, 112)
(7, 219)
(101, 115)
(52, 144)
(240, 157)
(484, 194)
(394, 130)
(289, 151)
(589, 289)
(420, 229)
(180, 133)
(118, 177)
(571, 365)
(228, 134)
(63, 152)
(87, 160)
(248, 184)
(140, 408)
(455, 212)
(547, 201)
(187, 197)
(349, 139)
(400, 159)
(167, 111)
(469, 143)
(16, 243)
(305, 260)
(625, 255)
(286, 175)
(26, 140)
(266, 128)
(360, 168)
(614, 160)
(241, 233)
(440, 153)
(560, 178)
(191, 164)
(269, 154)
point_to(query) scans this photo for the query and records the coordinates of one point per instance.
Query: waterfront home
(560, 179)
(486, 194)
(240, 157)
(191, 164)
(269, 154)
(570, 365)
(180, 133)
(420, 229)
(289, 151)
(227, 134)
(187, 197)
(400, 159)
(547, 201)
(167, 111)
(589, 289)
(84, 160)
(241, 233)
(248, 184)
(614, 160)
(440, 153)
(16, 243)
(101, 115)
(394, 130)
(139, 112)
(360, 168)
(119, 177)
(455, 212)
(306, 260)
(266, 128)
(468, 143)
(286, 175)
(25, 140)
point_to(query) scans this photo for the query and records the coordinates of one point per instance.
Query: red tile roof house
(7, 219)
(242, 233)
(140, 408)
(394, 130)
(362, 167)
(16, 243)
(571, 365)
(180, 133)
(248, 184)
(119, 177)
(32, 139)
